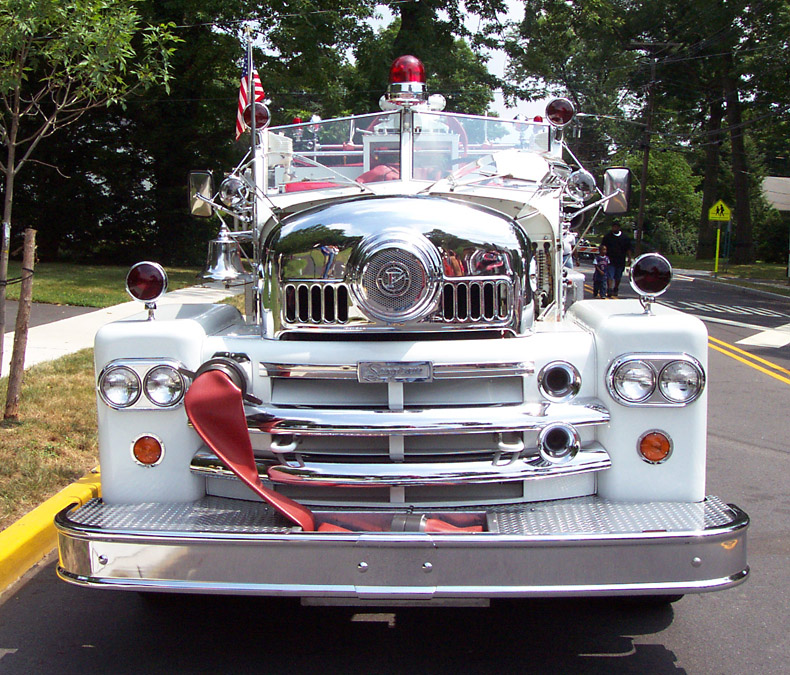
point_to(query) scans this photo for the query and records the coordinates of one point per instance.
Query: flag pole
(253, 131)
(251, 90)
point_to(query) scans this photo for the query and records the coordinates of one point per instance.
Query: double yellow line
(772, 369)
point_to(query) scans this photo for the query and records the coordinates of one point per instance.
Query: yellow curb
(33, 536)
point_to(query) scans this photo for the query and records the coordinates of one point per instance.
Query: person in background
(601, 263)
(568, 244)
(618, 247)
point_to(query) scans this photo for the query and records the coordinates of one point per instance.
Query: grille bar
(316, 303)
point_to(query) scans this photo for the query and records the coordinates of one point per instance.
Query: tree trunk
(17, 369)
(706, 242)
(743, 245)
(5, 234)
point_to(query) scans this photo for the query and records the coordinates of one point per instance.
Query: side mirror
(617, 179)
(201, 183)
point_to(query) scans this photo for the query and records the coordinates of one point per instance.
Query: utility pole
(640, 218)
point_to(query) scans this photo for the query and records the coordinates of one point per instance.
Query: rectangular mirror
(200, 182)
(617, 179)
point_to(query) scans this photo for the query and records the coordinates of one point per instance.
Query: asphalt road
(49, 626)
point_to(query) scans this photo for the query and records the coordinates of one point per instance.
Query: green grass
(758, 270)
(53, 442)
(88, 285)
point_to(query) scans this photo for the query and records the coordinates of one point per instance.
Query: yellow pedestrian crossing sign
(719, 211)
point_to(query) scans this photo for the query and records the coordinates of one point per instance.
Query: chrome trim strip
(359, 422)
(328, 565)
(409, 474)
(441, 371)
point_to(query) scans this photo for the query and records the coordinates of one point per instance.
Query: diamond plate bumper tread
(583, 546)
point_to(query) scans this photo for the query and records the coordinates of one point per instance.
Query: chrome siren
(396, 276)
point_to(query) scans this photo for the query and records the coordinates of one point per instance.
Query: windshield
(367, 149)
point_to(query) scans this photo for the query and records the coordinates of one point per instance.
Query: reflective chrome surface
(440, 371)
(571, 381)
(390, 264)
(657, 362)
(141, 368)
(380, 422)
(216, 546)
(378, 474)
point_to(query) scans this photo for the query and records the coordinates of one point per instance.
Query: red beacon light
(651, 274)
(407, 81)
(147, 282)
(560, 112)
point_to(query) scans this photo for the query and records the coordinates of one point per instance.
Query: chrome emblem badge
(393, 279)
(395, 371)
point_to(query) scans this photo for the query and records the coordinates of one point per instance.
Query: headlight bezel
(140, 369)
(658, 364)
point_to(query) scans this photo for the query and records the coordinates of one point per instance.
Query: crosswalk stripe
(773, 337)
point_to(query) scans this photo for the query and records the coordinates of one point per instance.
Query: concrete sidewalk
(32, 537)
(53, 340)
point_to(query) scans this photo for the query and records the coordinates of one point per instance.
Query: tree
(57, 61)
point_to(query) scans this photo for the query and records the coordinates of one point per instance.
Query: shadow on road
(105, 631)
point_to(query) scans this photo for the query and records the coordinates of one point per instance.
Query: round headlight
(680, 382)
(164, 386)
(119, 387)
(634, 381)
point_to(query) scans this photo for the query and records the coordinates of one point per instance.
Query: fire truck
(417, 404)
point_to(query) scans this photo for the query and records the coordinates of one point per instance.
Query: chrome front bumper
(582, 546)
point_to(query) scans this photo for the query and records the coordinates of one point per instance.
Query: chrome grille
(477, 301)
(316, 303)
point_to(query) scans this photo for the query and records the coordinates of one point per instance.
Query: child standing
(601, 263)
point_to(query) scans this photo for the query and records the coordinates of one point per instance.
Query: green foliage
(673, 204)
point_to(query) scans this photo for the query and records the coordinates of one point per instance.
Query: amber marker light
(147, 450)
(655, 447)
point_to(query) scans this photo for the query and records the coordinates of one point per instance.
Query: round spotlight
(164, 386)
(146, 281)
(581, 185)
(560, 112)
(559, 381)
(558, 443)
(119, 387)
(233, 191)
(651, 274)
(654, 447)
(633, 381)
(681, 381)
(148, 450)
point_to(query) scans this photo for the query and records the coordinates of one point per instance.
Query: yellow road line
(776, 376)
(749, 354)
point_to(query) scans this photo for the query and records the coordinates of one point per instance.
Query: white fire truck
(418, 405)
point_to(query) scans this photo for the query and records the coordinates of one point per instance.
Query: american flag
(243, 94)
